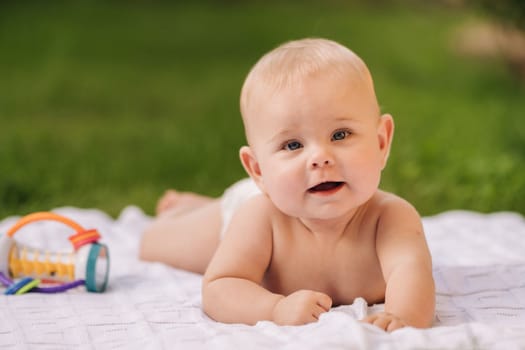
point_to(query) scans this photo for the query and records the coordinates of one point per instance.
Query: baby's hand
(303, 306)
(386, 321)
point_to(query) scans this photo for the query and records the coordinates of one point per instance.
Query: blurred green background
(108, 103)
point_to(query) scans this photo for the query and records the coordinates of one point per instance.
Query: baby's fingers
(385, 321)
(324, 301)
(317, 312)
(394, 324)
(323, 304)
(378, 320)
(382, 322)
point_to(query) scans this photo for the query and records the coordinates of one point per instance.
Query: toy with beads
(24, 269)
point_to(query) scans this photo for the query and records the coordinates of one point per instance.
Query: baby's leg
(185, 235)
(174, 202)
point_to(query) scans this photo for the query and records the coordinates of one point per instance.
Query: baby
(310, 229)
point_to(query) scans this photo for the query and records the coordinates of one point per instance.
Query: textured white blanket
(479, 270)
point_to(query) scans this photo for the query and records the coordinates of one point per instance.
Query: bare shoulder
(257, 210)
(399, 233)
(246, 248)
(390, 201)
(261, 202)
(396, 214)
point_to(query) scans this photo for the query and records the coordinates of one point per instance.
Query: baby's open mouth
(326, 186)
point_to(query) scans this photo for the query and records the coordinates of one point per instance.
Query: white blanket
(479, 271)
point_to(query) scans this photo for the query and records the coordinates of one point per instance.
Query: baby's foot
(176, 202)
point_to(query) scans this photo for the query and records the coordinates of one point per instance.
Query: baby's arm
(232, 290)
(407, 269)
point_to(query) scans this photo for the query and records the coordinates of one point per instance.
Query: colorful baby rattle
(24, 269)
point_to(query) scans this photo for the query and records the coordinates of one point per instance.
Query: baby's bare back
(344, 266)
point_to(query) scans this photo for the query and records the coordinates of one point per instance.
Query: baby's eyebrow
(350, 120)
(346, 119)
(282, 134)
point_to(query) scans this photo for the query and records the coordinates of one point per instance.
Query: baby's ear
(250, 164)
(385, 133)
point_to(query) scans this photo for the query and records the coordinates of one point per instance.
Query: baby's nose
(316, 164)
(321, 158)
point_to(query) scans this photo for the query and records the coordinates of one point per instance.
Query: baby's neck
(330, 229)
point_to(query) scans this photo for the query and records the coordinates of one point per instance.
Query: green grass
(105, 104)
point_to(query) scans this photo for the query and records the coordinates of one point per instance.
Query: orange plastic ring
(44, 215)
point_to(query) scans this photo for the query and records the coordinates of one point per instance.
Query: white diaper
(233, 197)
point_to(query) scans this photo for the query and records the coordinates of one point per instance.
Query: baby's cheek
(284, 197)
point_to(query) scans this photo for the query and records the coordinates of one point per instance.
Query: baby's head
(288, 65)
(317, 141)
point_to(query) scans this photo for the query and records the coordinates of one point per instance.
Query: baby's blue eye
(292, 145)
(340, 135)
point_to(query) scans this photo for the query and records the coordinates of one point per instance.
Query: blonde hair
(292, 61)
